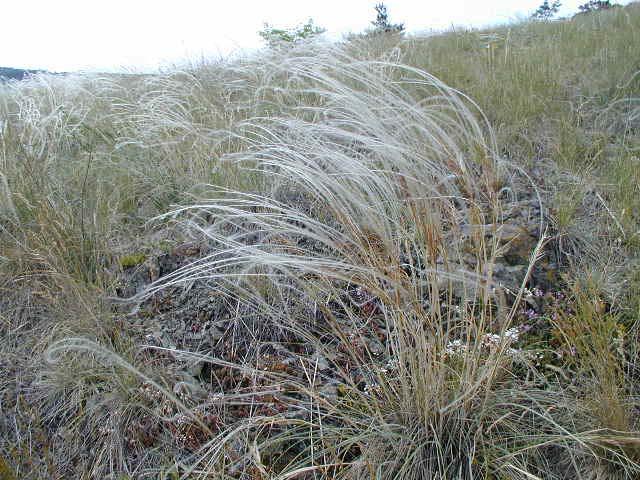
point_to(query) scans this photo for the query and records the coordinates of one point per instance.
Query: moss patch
(133, 260)
(5, 471)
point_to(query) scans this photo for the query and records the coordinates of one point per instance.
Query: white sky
(140, 35)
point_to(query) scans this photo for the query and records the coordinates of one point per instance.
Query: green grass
(359, 212)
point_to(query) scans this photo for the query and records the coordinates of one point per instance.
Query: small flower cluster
(534, 293)
(392, 364)
(150, 392)
(372, 388)
(510, 336)
(191, 435)
(456, 347)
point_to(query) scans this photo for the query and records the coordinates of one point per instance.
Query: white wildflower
(455, 347)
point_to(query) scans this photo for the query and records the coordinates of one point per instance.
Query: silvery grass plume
(379, 178)
(370, 238)
(378, 182)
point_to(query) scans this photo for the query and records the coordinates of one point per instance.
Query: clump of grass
(393, 170)
(596, 339)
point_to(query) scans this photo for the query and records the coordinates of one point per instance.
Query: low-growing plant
(132, 260)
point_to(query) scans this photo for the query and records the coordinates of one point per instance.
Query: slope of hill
(329, 263)
(7, 73)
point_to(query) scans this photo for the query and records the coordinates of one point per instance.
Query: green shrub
(279, 36)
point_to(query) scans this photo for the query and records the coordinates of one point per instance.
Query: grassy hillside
(325, 262)
(7, 73)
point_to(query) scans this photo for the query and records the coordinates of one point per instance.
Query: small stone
(329, 392)
(186, 250)
(319, 360)
(509, 232)
(195, 369)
